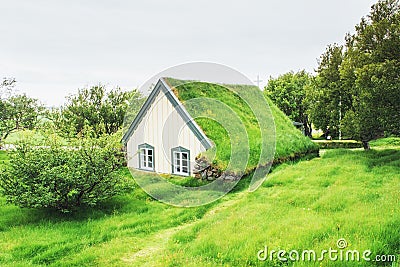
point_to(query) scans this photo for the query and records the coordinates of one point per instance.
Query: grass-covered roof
(290, 142)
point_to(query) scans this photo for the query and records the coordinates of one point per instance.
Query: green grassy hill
(290, 143)
(310, 205)
(349, 194)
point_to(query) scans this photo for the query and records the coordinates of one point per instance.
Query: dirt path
(154, 246)
(157, 243)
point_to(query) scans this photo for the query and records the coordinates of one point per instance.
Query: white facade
(163, 129)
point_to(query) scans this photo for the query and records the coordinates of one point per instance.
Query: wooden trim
(146, 146)
(184, 150)
(164, 87)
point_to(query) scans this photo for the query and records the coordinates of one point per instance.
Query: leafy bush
(98, 108)
(63, 177)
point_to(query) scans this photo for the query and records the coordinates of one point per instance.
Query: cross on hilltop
(258, 81)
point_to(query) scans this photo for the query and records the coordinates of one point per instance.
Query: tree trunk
(307, 127)
(2, 138)
(306, 130)
(366, 145)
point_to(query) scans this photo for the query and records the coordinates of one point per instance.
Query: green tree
(62, 177)
(101, 110)
(372, 72)
(328, 99)
(17, 112)
(288, 93)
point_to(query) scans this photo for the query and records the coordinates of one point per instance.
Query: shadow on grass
(13, 216)
(372, 158)
(379, 158)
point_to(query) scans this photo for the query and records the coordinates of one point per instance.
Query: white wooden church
(163, 137)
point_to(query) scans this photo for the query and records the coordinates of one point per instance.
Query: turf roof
(290, 143)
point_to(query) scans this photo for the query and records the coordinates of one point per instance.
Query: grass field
(390, 142)
(309, 205)
(349, 194)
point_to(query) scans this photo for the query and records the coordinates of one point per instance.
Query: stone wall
(206, 171)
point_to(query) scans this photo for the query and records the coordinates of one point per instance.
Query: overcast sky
(55, 47)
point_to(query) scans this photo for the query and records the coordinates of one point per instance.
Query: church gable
(163, 137)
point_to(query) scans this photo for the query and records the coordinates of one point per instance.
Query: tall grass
(310, 205)
(306, 205)
(89, 237)
(389, 141)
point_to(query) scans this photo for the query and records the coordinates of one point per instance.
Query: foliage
(97, 108)
(376, 111)
(375, 56)
(327, 98)
(307, 205)
(17, 112)
(63, 177)
(288, 93)
(357, 88)
(3, 158)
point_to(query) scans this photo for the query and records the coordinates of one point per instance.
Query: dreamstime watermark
(167, 122)
(339, 253)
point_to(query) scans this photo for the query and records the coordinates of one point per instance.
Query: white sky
(54, 47)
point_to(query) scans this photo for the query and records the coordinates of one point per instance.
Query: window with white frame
(146, 157)
(180, 161)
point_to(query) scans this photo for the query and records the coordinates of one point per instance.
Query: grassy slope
(289, 140)
(290, 143)
(299, 206)
(104, 236)
(309, 205)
